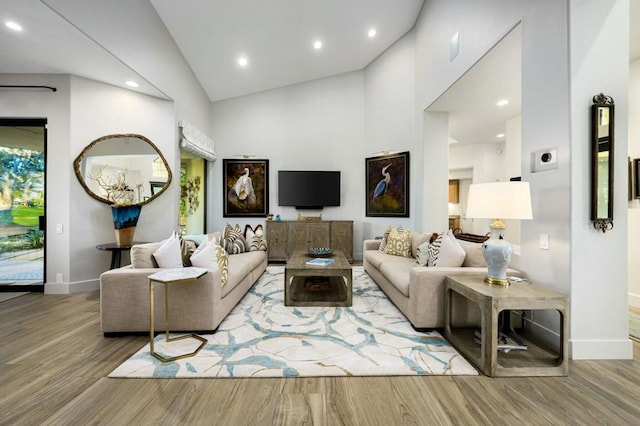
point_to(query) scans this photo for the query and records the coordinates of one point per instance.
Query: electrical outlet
(59, 277)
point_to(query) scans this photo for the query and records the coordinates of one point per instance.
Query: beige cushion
(238, 270)
(142, 255)
(398, 273)
(399, 242)
(169, 254)
(376, 257)
(252, 258)
(474, 256)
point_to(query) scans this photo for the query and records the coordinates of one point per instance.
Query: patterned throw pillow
(233, 240)
(399, 242)
(422, 254)
(434, 249)
(187, 248)
(222, 257)
(254, 238)
(385, 237)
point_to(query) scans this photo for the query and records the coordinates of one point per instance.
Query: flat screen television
(304, 189)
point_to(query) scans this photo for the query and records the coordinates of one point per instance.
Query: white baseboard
(74, 287)
(601, 349)
(634, 300)
(584, 348)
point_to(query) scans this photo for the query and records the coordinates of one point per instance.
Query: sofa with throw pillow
(198, 305)
(411, 267)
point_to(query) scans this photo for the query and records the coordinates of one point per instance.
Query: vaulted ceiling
(276, 38)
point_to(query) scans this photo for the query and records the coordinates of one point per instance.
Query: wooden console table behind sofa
(286, 237)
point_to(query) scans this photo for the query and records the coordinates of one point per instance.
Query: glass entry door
(22, 204)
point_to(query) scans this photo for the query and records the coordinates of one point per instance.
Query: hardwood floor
(54, 362)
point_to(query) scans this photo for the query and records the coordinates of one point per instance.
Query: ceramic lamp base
(497, 253)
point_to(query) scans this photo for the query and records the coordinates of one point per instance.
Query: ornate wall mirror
(123, 169)
(602, 124)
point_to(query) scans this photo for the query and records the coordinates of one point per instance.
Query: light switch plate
(544, 241)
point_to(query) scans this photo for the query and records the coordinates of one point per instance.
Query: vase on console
(125, 219)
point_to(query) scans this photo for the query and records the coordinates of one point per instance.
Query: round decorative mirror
(123, 169)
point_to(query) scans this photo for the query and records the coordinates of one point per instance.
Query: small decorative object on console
(319, 262)
(320, 252)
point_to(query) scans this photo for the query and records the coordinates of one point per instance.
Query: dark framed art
(387, 185)
(246, 188)
(636, 177)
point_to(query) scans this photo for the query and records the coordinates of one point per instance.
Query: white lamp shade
(499, 200)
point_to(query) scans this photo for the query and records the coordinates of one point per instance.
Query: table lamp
(498, 200)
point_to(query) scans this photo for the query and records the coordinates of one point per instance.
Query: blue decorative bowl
(320, 251)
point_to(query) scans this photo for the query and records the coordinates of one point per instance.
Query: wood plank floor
(54, 362)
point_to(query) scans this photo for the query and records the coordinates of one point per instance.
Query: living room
(336, 122)
(570, 52)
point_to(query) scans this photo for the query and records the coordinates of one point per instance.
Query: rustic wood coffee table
(309, 285)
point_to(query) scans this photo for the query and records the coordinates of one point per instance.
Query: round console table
(116, 252)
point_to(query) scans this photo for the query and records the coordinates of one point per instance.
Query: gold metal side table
(168, 277)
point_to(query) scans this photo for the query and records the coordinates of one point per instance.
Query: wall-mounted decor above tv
(304, 189)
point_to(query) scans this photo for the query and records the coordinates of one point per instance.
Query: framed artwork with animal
(387, 184)
(246, 187)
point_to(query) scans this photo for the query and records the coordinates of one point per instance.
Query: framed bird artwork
(387, 185)
(246, 188)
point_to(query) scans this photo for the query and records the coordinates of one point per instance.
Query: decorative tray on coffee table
(320, 252)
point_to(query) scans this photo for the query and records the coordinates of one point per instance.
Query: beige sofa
(198, 305)
(418, 291)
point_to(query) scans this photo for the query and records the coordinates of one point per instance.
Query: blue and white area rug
(263, 338)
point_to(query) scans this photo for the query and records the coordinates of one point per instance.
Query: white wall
(317, 125)
(54, 106)
(487, 161)
(96, 110)
(389, 93)
(79, 112)
(546, 121)
(634, 206)
(599, 63)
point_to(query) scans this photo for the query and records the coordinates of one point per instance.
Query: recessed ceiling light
(502, 102)
(243, 61)
(317, 44)
(500, 135)
(131, 83)
(372, 33)
(13, 25)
